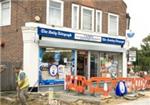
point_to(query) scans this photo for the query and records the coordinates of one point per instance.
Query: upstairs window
(5, 12)
(55, 12)
(98, 21)
(87, 19)
(113, 24)
(75, 16)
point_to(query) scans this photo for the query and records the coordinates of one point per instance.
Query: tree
(144, 55)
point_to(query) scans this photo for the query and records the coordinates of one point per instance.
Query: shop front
(51, 53)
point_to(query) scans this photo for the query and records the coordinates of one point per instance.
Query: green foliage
(133, 48)
(143, 55)
(137, 68)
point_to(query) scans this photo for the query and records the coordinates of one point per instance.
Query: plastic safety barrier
(139, 83)
(76, 83)
(100, 85)
(105, 85)
(80, 84)
(70, 85)
(147, 82)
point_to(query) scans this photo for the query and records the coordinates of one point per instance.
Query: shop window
(75, 16)
(111, 65)
(87, 19)
(113, 24)
(5, 12)
(55, 12)
(54, 65)
(98, 21)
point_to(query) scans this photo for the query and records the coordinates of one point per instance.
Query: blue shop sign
(55, 33)
(115, 41)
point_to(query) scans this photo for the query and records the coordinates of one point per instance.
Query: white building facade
(51, 53)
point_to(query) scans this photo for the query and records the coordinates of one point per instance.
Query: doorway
(94, 66)
(82, 62)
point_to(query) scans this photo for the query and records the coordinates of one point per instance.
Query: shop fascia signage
(45, 32)
(88, 37)
(67, 35)
(115, 41)
(55, 33)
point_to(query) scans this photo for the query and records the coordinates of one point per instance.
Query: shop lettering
(120, 41)
(64, 34)
(55, 33)
(77, 36)
(112, 41)
(44, 31)
(52, 32)
(87, 37)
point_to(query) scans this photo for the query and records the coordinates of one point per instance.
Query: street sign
(132, 53)
(132, 56)
(132, 59)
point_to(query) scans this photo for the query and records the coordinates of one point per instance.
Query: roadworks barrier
(104, 86)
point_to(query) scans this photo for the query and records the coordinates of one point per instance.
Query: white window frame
(83, 7)
(62, 11)
(9, 13)
(75, 5)
(98, 11)
(111, 14)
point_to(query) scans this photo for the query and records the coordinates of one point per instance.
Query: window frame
(72, 22)
(62, 12)
(96, 29)
(9, 12)
(111, 14)
(91, 9)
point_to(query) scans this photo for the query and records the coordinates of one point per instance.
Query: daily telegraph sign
(55, 33)
(115, 41)
(45, 32)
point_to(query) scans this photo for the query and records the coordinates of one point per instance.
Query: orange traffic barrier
(76, 83)
(144, 82)
(147, 82)
(105, 85)
(137, 83)
(70, 82)
(100, 85)
(129, 84)
(140, 83)
(80, 84)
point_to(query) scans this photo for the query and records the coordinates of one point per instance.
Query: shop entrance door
(82, 68)
(94, 66)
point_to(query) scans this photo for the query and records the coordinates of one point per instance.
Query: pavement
(141, 101)
(144, 101)
(72, 98)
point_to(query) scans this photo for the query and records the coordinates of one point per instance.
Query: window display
(110, 64)
(54, 65)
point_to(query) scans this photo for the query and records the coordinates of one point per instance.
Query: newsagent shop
(51, 53)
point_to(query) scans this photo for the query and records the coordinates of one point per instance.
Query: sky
(139, 11)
